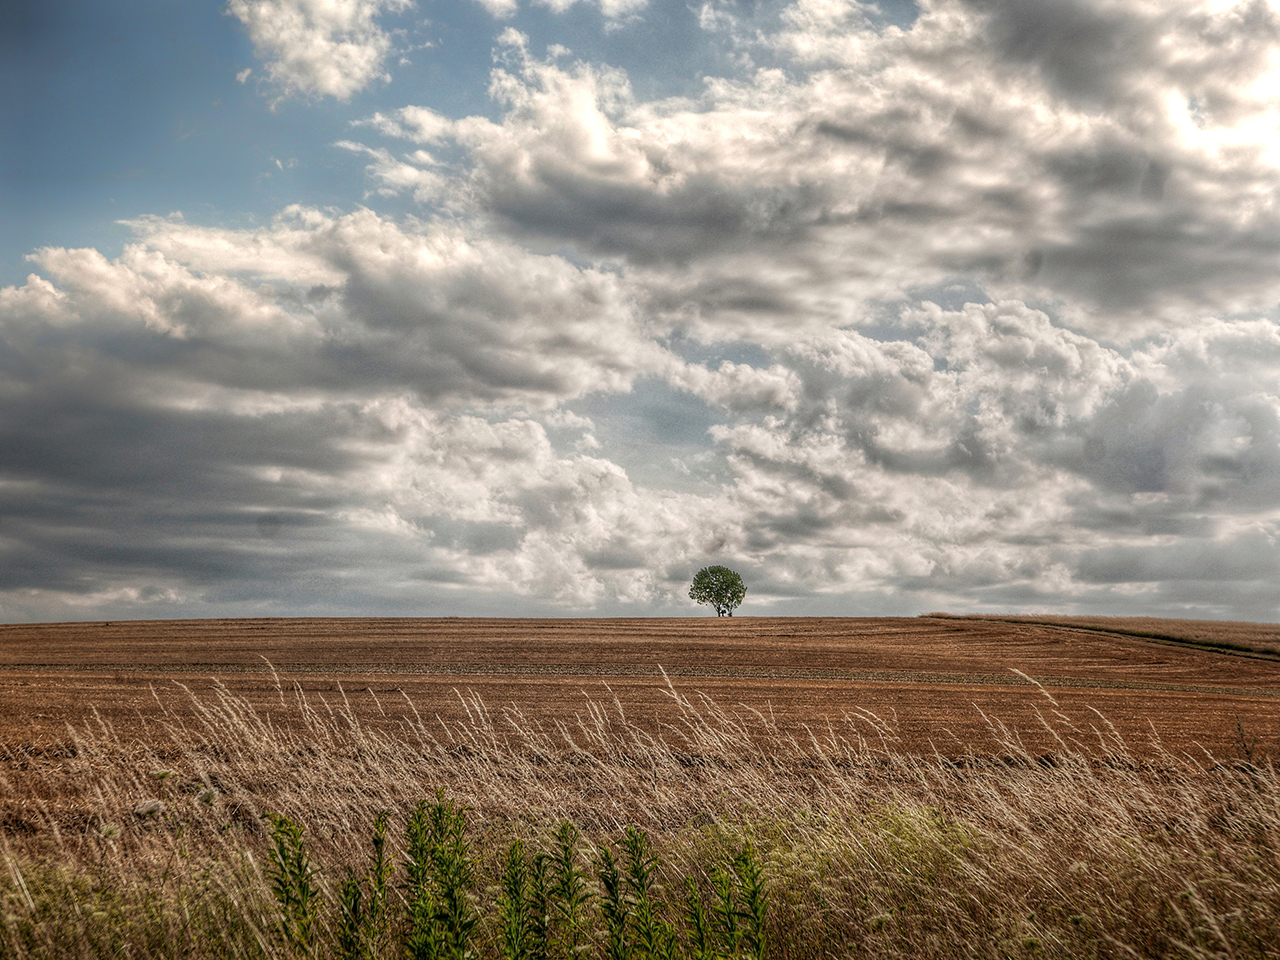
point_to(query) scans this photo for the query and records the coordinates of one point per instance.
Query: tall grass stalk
(755, 844)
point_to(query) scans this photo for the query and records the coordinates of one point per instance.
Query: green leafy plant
(513, 904)
(615, 908)
(349, 936)
(362, 915)
(539, 909)
(752, 901)
(724, 911)
(381, 869)
(420, 840)
(440, 876)
(293, 883)
(653, 938)
(735, 926)
(697, 923)
(570, 894)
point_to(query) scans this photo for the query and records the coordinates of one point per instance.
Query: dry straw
(171, 847)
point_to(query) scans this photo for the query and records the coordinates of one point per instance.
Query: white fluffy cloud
(329, 48)
(499, 8)
(991, 458)
(611, 9)
(362, 303)
(1120, 158)
(972, 313)
(307, 385)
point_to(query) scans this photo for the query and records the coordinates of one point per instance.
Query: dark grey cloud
(617, 554)
(1251, 558)
(1089, 53)
(1214, 448)
(1102, 55)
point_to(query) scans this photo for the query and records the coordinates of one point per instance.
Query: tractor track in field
(601, 672)
(1209, 646)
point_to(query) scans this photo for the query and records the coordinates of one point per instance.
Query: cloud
(1246, 557)
(361, 302)
(412, 123)
(610, 9)
(358, 412)
(1118, 159)
(318, 47)
(740, 387)
(396, 176)
(908, 458)
(1199, 431)
(975, 312)
(500, 8)
(217, 410)
(991, 456)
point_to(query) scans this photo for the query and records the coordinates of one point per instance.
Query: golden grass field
(928, 787)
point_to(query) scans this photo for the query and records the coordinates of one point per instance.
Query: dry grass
(989, 851)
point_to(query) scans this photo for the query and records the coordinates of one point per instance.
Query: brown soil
(938, 678)
(1260, 638)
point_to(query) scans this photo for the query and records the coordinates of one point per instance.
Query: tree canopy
(720, 587)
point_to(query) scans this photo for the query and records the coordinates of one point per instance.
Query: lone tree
(720, 587)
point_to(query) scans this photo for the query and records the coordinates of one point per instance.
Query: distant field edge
(1233, 648)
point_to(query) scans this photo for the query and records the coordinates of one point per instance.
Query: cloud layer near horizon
(975, 313)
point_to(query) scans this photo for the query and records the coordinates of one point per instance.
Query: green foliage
(876, 881)
(351, 919)
(48, 909)
(440, 878)
(724, 912)
(735, 924)
(381, 868)
(569, 894)
(653, 937)
(697, 924)
(539, 909)
(362, 902)
(720, 587)
(293, 883)
(751, 901)
(615, 909)
(543, 907)
(513, 905)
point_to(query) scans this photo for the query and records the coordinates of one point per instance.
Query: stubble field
(939, 680)
(744, 789)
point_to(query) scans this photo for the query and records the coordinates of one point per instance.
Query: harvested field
(219, 807)
(938, 679)
(1237, 636)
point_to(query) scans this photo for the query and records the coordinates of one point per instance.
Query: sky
(535, 307)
